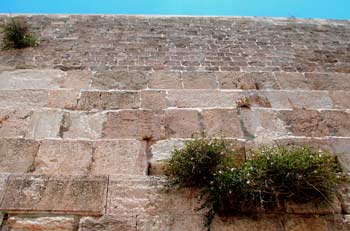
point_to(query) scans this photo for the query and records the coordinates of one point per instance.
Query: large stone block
(123, 80)
(199, 80)
(76, 79)
(292, 81)
(314, 123)
(81, 195)
(203, 98)
(60, 157)
(182, 123)
(264, 80)
(14, 122)
(3, 187)
(235, 80)
(147, 196)
(138, 124)
(114, 157)
(17, 155)
(331, 82)
(64, 99)
(165, 80)
(31, 79)
(109, 223)
(45, 124)
(50, 223)
(82, 125)
(23, 98)
(262, 125)
(340, 99)
(222, 122)
(153, 99)
(109, 100)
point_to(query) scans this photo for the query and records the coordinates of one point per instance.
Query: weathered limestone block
(23, 98)
(122, 80)
(171, 222)
(64, 99)
(252, 99)
(109, 223)
(340, 99)
(314, 123)
(199, 80)
(235, 80)
(222, 122)
(147, 196)
(164, 80)
(82, 195)
(341, 147)
(182, 123)
(329, 82)
(313, 208)
(203, 98)
(45, 124)
(14, 122)
(60, 157)
(271, 223)
(292, 81)
(3, 186)
(76, 79)
(264, 80)
(135, 124)
(311, 223)
(153, 99)
(298, 99)
(119, 157)
(31, 79)
(109, 100)
(263, 125)
(160, 152)
(17, 155)
(55, 223)
(82, 125)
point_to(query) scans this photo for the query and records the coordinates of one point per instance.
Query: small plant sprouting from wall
(17, 35)
(271, 177)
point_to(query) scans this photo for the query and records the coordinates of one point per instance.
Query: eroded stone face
(236, 80)
(17, 155)
(119, 157)
(122, 80)
(182, 123)
(58, 157)
(154, 99)
(58, 194)
(199, 80)
(107, 223)
(109, 100)
(14, 122)
(45, 124)
(54, 223)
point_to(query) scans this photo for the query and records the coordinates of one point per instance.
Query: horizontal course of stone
(88, 115)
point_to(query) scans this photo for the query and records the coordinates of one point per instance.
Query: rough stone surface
(107, 223)
(65, 99)
(14, 122)
(182, 123)
(56, 223)
(17, 155)
(57, 157)
(119, 157)
(37, 194)
(45, 124)
(108, 100)
(23, 98)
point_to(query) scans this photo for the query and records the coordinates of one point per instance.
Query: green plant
(272, 176)
(196, 164)
(17, 35)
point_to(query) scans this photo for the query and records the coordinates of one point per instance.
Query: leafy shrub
(196, 164)
(17, 35)
(272, 176)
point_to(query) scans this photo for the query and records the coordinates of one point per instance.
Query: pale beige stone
(153, 99)
(119, 157)
(182, 123)
(81, 195)
(55, 223)
(59, 157)
(45, 124)
(65, 99)
(82, 125)
(23, 98)
(203, 98)
(17, 155)
(106, 223)
(14, 122)
(76, 79)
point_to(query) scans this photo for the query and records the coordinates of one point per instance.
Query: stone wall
(91, 113)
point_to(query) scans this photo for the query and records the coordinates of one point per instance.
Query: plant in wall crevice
(271, 177)
(17, 34)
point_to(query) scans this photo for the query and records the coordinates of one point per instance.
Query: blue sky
(335, 9)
